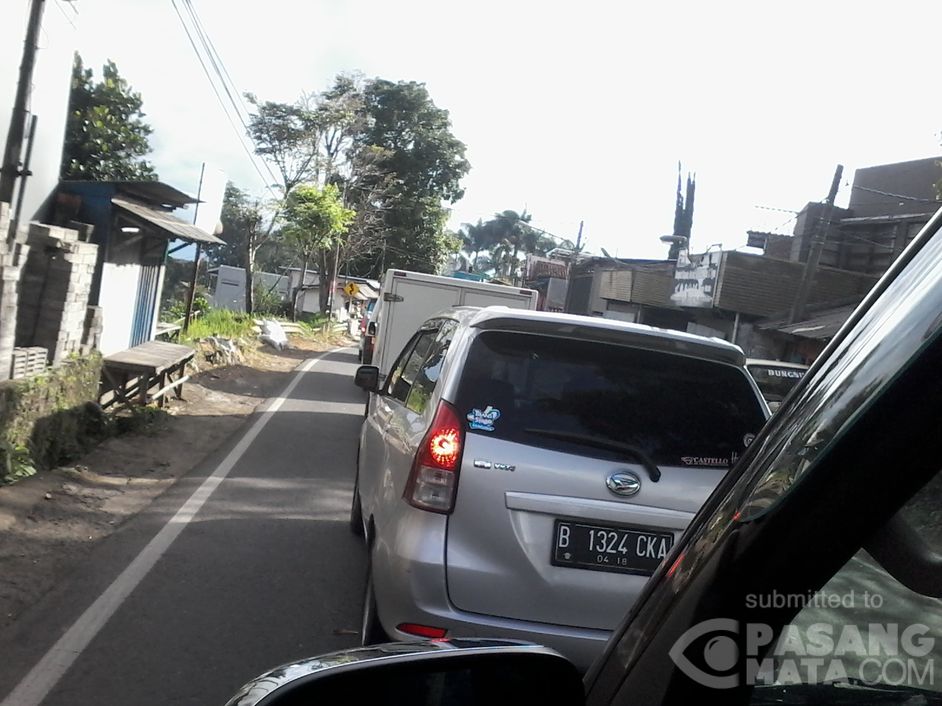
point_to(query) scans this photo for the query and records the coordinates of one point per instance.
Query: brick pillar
(54, 290)
(11, 267)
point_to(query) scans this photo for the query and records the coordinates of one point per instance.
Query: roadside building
(748, 298)
(132, 224)
(309, 301)
(637, 291)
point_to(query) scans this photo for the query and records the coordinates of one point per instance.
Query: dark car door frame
(889, 448)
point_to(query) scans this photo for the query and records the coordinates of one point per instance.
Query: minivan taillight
(434, 478)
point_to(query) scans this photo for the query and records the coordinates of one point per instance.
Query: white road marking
(41, 679)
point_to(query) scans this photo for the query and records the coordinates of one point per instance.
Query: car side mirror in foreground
(367, 377)
(441, 673)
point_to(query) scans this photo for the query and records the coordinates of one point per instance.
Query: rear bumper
(410, 587)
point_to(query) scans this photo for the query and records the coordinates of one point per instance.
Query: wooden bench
(146, 373)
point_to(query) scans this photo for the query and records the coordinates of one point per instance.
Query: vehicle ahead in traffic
(521, 474)
(367, 334)
(812, 574)
(407, 299)
(775, 378)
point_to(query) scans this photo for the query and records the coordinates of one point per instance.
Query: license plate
(606, 548)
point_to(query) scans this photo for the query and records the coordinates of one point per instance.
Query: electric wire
(239, 134)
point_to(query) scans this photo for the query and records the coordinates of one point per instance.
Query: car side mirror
(367, 377)
(371, 328)
(438, 673)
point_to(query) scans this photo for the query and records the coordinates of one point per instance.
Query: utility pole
(191, 294)
(817, 246)
(10, 168)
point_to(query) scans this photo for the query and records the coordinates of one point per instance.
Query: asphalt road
(188, 601)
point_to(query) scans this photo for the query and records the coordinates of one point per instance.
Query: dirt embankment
(50, 521)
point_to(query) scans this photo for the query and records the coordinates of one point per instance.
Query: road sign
(351, 289)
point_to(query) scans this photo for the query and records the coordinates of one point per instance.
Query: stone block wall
(50, 418)
(54, 290)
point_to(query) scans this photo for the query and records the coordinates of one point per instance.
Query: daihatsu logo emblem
(624, 484)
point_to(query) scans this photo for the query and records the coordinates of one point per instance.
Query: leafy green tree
(106, 138)
(389, 151)
(288, 136)
(423, 164)
(504, 239)
(246, 227)
(475, 239)
(315, 220)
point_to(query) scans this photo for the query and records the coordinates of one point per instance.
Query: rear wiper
(598, 442)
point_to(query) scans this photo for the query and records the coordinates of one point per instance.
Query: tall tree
(423, 164)
(513, 233)
(246, 227)
(288, 136)
(315, 220)
(475, 238)
(390, 152)
(106, 137)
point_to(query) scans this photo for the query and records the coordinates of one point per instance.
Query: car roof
(597, 328)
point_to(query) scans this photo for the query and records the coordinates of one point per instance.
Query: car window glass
(400, 387)
(566, 394)
(775, 381)
(880, 347)
(864, 629)
(396, 370)
(430, 369)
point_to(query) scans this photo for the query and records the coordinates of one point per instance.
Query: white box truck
(408, 299)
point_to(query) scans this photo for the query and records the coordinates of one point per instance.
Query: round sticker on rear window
(483, 420)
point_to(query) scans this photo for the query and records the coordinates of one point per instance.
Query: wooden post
(192, 293)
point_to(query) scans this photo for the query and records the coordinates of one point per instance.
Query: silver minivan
(521, 474)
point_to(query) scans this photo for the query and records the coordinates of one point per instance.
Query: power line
(238, 102)
(904, 197)
(64, 14)
(219, 67)
(772, 208)
(214, 60)
(217, 62)
(239, 134)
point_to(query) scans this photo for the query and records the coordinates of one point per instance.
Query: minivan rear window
(578, 396)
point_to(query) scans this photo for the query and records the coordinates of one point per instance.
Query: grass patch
(219, 322)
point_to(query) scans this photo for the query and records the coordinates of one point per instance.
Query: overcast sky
(576, 111)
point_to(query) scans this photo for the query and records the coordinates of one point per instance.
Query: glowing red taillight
(444, 448)
(434, 478)
(422, 630)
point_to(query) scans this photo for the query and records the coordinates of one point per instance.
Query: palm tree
(504, 259)
(474, 239)
(512, 230)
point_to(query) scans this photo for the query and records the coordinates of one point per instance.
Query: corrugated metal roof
(821, 327)
(167, 222)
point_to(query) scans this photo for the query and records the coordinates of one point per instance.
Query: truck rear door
(407, 305)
